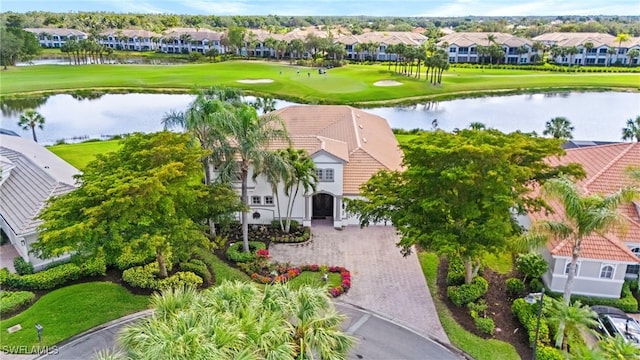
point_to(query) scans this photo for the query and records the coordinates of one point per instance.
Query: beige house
(593, 48)
(127, 39)
(56, 37)
(346, 144)
(463, 47)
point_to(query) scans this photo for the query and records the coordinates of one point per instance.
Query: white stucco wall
(587, 280)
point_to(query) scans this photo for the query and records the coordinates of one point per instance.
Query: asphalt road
(378, 338)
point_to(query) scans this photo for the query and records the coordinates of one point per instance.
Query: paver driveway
(382, 280)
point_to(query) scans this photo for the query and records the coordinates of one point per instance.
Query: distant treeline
(521, 26)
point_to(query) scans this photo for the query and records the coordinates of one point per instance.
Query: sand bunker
(256, 81)
(387, 83)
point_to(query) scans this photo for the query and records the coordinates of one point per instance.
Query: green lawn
(314, 278)
(352, 84)
(79, 155)
(478, 348)
(501, 263)
(69, 311)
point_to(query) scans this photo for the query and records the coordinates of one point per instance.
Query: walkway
(382, 280)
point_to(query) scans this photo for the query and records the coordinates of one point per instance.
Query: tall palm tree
(569, 319)
(559, 128)
(632, 130)
(238, 321)
(30, 120)
(633, 54)
(302, 176)
(584, 216)
(620, 38)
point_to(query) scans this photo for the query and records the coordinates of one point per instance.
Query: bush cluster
(515, 287)
(466, 293)
(235, 253)
(527, 314)
(549, 353)
(531, 265)
(131, 259)
(145, 277)
(11, 301)
(54, 276)
(199, 268)
(626, 303)
(22, 266)
(291, 238)
(293, 227)
(484, 324)
(455, 273)
(536, 285)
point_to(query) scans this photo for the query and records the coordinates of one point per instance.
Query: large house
(593, 48)
(346, 144)
(463, 47)
(31, 174)
(136, 40)
(605, 261)
(54, 37)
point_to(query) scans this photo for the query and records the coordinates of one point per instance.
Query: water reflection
(595, 116)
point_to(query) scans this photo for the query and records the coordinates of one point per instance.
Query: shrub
(527, 314)
(549, 353)
(130, 259)
(96, 266)
(291, 238)
(294, 225)
(515, 287)
(235, 253)
(199, 268)
(54, 276)
(626, 303)
(22, 266)
(531, 265)
(485, 325)
(477, 309)
(455, 273)
(466, 293)
(145, 277)
(536, 285)
(180, 279)
(633, 286)
(11, 301)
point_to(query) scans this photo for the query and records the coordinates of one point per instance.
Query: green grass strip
(79, 155)
(478, 348)
(70, 311)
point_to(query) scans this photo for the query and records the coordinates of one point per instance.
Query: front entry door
(322, 206)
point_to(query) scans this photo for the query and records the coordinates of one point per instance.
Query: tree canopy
(460, 191)
(144, 199)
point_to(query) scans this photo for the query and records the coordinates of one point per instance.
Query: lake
(595, 115)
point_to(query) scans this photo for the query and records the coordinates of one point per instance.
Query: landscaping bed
(266, 234)
(498, 307)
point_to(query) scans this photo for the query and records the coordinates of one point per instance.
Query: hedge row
(235, 251)
(626, 303)
(466, 293)
(548, 67)
(11, 301)
(22, 266)
(54, 276)
(199, 268)
(290, 238)
(528, 316)
(145, 277)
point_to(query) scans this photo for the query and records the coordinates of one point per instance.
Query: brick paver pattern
(382, 279)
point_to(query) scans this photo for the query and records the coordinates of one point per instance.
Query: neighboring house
(31, 174)
(179, 40)
(347, 145)
(593, 48)
(381, 38)
(605, 261)
(463, 47)
(136, 40)
(55, 37)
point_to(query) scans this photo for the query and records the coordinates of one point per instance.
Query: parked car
(615, 322)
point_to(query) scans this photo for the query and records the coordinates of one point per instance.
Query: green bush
(235, 253)
(11, 301)
(294, 224)
(291, 238)
(199, 268)
(515, 287)
(145, 277)
(549, 353)
(466, 293)
(536, 285)
(485, 325)
(527, 314)
(633, 286)
(455, 273)
(531, 265)
(22, 266)
(478, 308)
(130, 259)
(54, 276)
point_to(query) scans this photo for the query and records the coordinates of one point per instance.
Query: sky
(431, 8)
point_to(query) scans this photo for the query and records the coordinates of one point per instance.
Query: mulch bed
(499, 308)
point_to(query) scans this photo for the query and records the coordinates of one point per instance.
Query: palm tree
(559, 128)
(620, 38)
(584, 216)
(618, 348)
(491, 39)
(633, 54)
(476, 125)
(30, 120)
(632, 130)
(302, 176)
(569, 319)
(238, 320)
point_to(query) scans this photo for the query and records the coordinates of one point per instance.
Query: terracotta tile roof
(606, 167)
(480, 38)
(576, 39)
(364, 141)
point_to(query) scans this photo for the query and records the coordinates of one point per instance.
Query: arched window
(566, 268)
(606, 271)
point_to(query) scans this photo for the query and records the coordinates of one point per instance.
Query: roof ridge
(607, 167)
(355, 127)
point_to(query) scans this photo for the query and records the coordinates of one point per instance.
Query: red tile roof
(606, 167)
